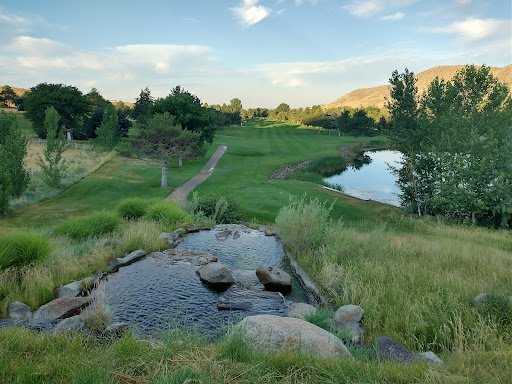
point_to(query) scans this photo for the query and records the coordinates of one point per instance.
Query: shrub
(134, 208)
(328, 166)
(21, 248)
(220, 209)
(303, 225)
(167, 212)
(93, 225)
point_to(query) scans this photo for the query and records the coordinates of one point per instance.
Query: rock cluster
(281, 172)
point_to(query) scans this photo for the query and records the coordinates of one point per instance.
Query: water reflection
(370, 178)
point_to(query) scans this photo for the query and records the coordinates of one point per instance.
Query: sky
(264, 52)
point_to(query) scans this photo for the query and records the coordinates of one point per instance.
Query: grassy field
(415, 278)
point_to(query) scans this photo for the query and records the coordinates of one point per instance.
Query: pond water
(369, 177)
(154, 295)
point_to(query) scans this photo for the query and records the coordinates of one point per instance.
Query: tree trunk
(180, 162)
(163, 184)
(473, 218)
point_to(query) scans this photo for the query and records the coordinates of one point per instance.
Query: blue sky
(302, 52)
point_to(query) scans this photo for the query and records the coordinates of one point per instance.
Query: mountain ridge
(375, 96)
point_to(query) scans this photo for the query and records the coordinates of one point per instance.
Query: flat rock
(300, 310)
(127, 260)
(116, 329)
(33, 325)
(247, 278)
(270, 333)
(223, 235)
(432, 358)
(216, 274)
(74, 324)
(185, 256)
(274, 279)
(73, 289)
(349, 313)
(239, 298)
(193, 228)
(62, 308)
(19, 311)
(390, 349)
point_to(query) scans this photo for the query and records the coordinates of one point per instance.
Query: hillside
(375, 96)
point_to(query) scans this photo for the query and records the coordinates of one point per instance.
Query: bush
(134, 208)
(21, 248)
(93, 225)
(220, 209)
(328, 166)
(167, 212)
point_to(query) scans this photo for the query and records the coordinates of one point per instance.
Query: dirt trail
(181, 193)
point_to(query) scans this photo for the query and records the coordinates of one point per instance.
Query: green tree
(52, 164)
(13, 148)
(188, 112)
(107, 132)
(7, 96)
(162, 139)
(140, 110)
(96, 100)
(67, 100)
(283, 107)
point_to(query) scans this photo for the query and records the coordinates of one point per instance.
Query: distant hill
(366, 97)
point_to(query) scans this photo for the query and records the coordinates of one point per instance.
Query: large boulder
(62, 308)
(300, 310)
(73, 289)
(216, 274)
(271, 333)
(349, 313)
(274, 279)
(127, 260)
(347, 320)
(19, 311)
(389, 349)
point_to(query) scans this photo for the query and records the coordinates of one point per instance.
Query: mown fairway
(259, 147)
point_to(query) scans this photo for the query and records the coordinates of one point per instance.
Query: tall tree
(140, 110)
(13, 148)
(67, 100)
(163, 140)
(188, 113)
(7, 96)
(107, 132)
(96, 100)
(51, 166)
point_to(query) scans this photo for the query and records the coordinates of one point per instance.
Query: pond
(369, 177)
(154, 295)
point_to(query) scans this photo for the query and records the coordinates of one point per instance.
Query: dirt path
(181, 193)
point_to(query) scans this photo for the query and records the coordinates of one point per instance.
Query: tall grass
(92, 225)
(134, 208)
(416, 288)
(168, 213)
(22, 248)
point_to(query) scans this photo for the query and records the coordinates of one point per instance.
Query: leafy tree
(188, 112)
(96, 100)
(68, 101)
(7, 96)
(13, 148)
(283, 107)
(108, 131)
(457, 157)
(51, 166)
(163, 140)
(142, 103)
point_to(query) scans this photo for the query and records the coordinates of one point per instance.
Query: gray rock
(171, 238)
(180, 231)
(74, 324)
(482, 298)
(432, 358)
(222, 235)
(127, 260)
(115, 329)
(184, 256)
(193, 228)
(247, 278)
(274, 279)
(91, 282)
(270, 333)
(300, 310)
(73, 289)
(216, 274)
(236, 235)
(349, 313)
(351, 330)
(19, 311)
(389, 349)
(62, 308)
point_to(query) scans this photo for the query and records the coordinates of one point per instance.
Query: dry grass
(34, 150)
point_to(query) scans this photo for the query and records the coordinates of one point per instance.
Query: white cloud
(250, 13)
(191, 19)
(473, 29)
(393, 17)
(369, 8)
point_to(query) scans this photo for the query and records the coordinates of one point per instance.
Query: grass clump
(18, 249)
(134, 208)
(218, 209)
(168, 213)
(94, 225)
(328, 166)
